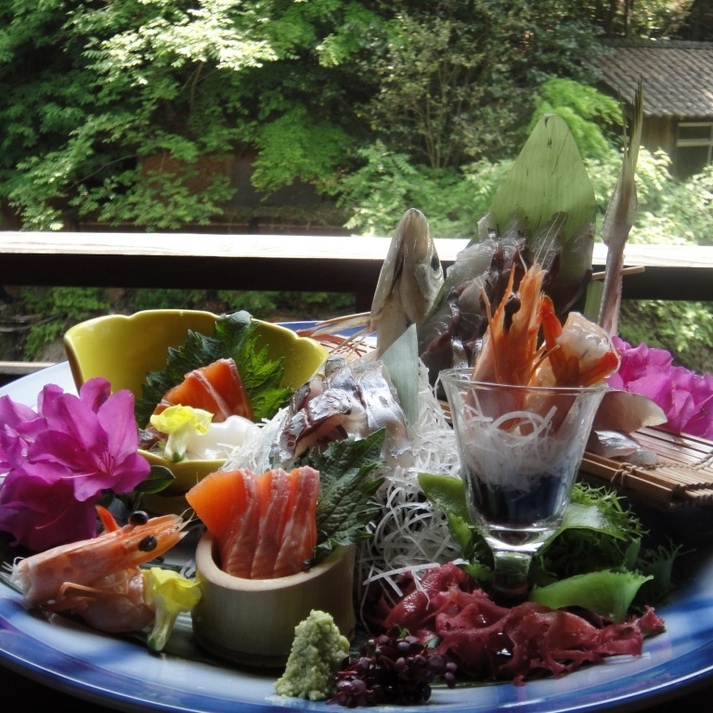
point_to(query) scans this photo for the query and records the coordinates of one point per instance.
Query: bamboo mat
(683, 475)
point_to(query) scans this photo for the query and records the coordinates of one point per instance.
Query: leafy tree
(645, 18)
(121, 82)
(457, 78)
(593, 118)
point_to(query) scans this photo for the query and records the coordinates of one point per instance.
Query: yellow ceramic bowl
(124, 348)
(252, 621)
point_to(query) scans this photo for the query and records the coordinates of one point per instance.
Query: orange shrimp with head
(509, 352)
(99, 579)
(580, 353)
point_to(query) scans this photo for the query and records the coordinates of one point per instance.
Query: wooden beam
(285, 262)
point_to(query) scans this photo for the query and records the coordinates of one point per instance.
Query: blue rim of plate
(122, 674)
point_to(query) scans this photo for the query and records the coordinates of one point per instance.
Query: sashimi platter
(381, 510)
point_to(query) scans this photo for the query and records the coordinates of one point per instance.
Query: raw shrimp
(580, 353)
(450, 334)
(509, 353)
(99, 579)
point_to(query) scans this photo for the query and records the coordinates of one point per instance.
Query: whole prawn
(99, 579)
(578, 353)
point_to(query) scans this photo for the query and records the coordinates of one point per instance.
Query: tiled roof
(677, 76)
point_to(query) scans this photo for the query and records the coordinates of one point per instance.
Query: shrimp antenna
(547, 239)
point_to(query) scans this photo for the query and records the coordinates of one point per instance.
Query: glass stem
(510, 576)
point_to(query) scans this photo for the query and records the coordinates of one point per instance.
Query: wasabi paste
(316, 655)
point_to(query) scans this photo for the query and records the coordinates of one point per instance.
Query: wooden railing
(283, 262)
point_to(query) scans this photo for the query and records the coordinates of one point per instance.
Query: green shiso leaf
(158, 479)
(235, 336)
(346, 503)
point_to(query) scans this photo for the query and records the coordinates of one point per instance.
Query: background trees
(95, 90)
(136, 111)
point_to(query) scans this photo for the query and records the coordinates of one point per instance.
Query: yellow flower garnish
(179, 423)
(168, 594)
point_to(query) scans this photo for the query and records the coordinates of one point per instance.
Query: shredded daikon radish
(254, 453)
(519, 448)
(410, 536)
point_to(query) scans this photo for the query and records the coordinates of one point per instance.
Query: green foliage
(456, 78)
(295, 147)
(123, 82)
(166, 299)
(683, 328)
(590, 115)
(388, 183)
(60, 307)
(301, 82)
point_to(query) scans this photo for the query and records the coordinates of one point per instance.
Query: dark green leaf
(347, 488)
(158, 479)
(235, 337)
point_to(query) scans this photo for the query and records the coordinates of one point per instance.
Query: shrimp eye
(138, 518)
(148, 544)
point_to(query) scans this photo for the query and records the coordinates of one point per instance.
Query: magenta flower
(685, 397)
(60, 460)
(41, 514)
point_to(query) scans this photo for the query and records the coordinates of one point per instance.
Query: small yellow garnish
(179, 423)
(168, 594)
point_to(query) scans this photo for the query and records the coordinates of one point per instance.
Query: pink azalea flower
(75, 447)
(41, 514)
(685, 397)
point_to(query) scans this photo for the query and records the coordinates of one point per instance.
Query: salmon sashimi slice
(218, 499)
(228, 503)
(216, 388)
(237, 546)
(264, 526)
(274, 487)
(299, 534)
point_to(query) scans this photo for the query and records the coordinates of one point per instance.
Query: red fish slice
(216, 388)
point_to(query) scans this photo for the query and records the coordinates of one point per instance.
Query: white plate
(122, 674)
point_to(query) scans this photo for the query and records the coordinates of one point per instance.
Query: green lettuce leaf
(597, 534)
(606, 592)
